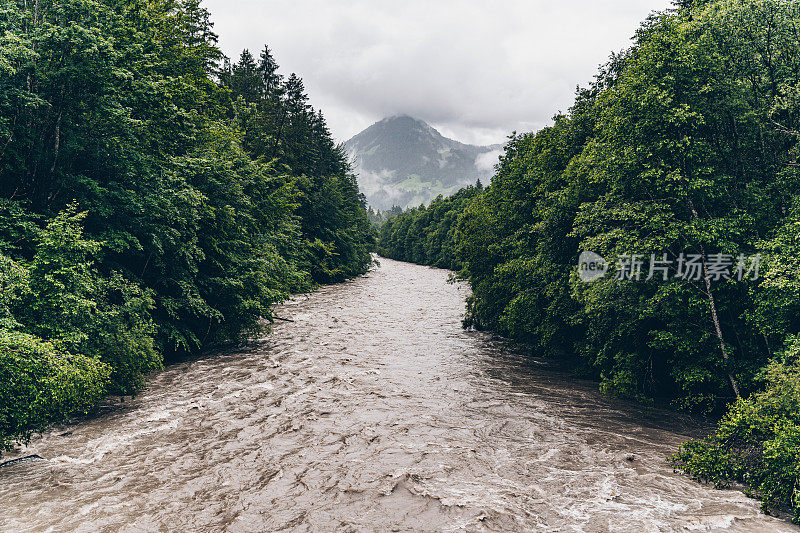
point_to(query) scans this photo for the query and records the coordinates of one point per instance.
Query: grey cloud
(476, 70)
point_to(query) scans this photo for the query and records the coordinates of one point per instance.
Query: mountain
(404, 161)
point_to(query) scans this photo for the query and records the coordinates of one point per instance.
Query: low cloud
(488, 160)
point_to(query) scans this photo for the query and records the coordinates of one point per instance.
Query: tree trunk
(715, 318)
(57, 131)
(713, 305)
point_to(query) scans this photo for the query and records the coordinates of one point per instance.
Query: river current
(372, 410)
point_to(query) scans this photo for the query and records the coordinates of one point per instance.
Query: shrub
(40, 385)
(758, 441)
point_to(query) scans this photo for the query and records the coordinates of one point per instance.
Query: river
(372, 411)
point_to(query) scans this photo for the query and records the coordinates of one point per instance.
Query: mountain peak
(402, 121)
(401, 116)
(402, 160)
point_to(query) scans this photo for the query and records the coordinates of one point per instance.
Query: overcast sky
(474, 69)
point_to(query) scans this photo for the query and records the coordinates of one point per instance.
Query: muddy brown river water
(372, 411)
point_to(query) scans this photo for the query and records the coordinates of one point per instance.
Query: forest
(684, 143)
(156, 199)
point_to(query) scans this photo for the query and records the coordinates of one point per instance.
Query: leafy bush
(62, 297)
(40, 385)
(758, 441)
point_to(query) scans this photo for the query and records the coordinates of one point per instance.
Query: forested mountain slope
(403, 161)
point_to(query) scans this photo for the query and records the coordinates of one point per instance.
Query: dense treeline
(426, 235)
(155, 199)
(686, 143)
(378, 217)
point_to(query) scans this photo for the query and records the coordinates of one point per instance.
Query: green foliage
(155, 200)
(426, 235)
(60, 296)
(279, 126)
(39, 385)
(758, 441)
(378, 218)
